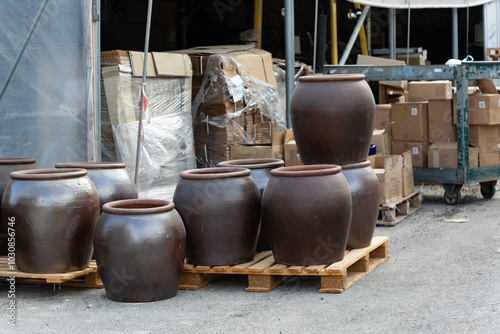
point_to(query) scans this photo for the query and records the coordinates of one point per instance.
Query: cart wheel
(488, 189)
(453, 200)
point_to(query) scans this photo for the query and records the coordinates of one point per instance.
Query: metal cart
(452, 179)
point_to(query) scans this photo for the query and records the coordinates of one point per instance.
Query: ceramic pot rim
(17, 161)
(48, 174)
(332, 77)
(214, 173)
(91, 165)
(306, 170)
(253, 163)
(141, 206)
(356, 165)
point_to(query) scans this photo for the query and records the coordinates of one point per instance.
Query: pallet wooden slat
(392, 214)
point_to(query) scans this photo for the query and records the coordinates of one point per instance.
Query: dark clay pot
(8, 166)
(260, 170)
(55, 213)
(364, 186)
(220, 208)
(139, 247)
(332, 118)
(111, 179)
(307, 213)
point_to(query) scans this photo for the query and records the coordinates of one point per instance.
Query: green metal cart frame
(452, 179)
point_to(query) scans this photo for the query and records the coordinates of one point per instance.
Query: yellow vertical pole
(257, 19)
(333, 31)
(362, 36)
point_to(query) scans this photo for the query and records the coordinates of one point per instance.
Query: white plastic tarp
(415, 4)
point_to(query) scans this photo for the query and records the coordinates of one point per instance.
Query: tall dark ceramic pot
(307, 213)
(8, 166)
(111, 179)
(139, 247)
(364, 186)
(260, 170)
(220, 208)
(55, 212)
(332, 118)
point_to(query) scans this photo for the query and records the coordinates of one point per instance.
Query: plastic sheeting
(46, 112)
(233, 110)
(167, 146)
(415, 4)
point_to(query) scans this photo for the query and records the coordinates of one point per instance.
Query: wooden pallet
(87, 278)
(392, 214)
(264, 274)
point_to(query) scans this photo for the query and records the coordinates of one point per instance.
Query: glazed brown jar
(55, 212)
(307, 213)
(220, 208)
(332, 118)
(139, 246)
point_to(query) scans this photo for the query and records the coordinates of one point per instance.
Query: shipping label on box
(418, 151)
(444, 155)
(441, 128)
(484, 109)
(485, 137)
(410, 121)
(429, 90)
(389, 170)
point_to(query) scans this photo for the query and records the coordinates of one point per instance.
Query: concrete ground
(441, 277)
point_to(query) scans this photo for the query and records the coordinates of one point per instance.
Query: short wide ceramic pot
(139, 246)
(8, 166)
(364, 186)
(111, 179)
(307, 213)
(220, 208)
(55, 212)
(260, 170)
(332, 118)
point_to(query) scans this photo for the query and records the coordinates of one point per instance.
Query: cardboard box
(389, 170)
(429, 90)
(410, 121)
(414, 59)
(381, 139)
(291, 153)
(489, 159)
(275, 150)
(382, 116)
(484, 109)
(441, 128)
(444, 155)
(377, 61)
(485, 137)
(418, 150)
(407, 174)
(391, 94)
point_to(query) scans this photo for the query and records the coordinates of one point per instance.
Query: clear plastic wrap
(232, 107)
(47, 111)
(167, 146)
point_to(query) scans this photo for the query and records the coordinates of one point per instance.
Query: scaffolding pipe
(333, 31)
(289, 56)
(315, 35)
(454, 30)
(392, 33)
(141, 100)
(354, 35)
(257, 20)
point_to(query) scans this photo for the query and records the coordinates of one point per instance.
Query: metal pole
(23, 48)
(315, 35)
(141, 104)
(289, 56)
(392, 33)
(354, 35)
(454, 31)
(96, 17)
(333, 31)
(257, 20)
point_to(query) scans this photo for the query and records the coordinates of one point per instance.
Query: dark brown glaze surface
(55, 213)
(139, 248)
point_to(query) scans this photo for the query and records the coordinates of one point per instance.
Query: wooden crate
(392, 214)
(87, 278)
(264, 274)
